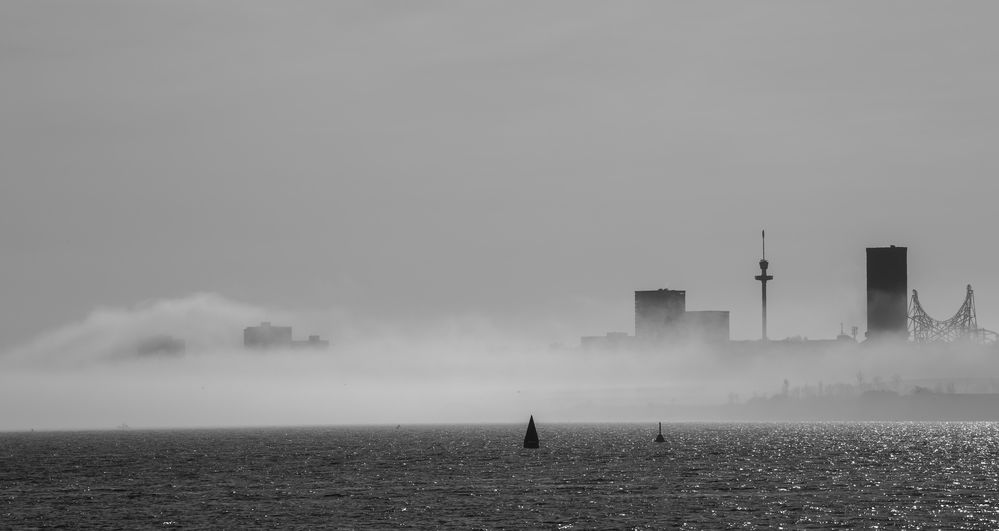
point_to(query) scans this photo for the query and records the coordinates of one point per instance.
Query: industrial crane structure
(962, 327)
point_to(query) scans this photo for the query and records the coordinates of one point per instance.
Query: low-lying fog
(93, 374)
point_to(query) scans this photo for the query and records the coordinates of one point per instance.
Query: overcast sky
(527, 164)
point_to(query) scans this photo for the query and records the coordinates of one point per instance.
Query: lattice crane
(962, 327)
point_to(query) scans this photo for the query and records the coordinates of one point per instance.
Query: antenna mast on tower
(763, 277)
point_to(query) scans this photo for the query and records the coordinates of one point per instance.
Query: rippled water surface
(915, 475)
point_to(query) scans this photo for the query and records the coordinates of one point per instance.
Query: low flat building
(267, 336)
(661, 318)
(611, 341)
(707, 326)
(314, 342)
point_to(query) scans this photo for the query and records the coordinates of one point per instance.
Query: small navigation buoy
(531, 439)
(659, 438)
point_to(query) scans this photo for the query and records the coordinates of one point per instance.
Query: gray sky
(526, 164)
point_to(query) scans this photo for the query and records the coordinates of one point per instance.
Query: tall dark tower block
(657, 313)
(887, 289)
(763, 277)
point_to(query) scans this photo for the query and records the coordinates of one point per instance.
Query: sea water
(705, 476)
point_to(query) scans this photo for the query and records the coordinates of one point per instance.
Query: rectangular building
(887, 292)
(706, 326)
(657, 313)
(611, 341)
(314, 342)
(267, 336)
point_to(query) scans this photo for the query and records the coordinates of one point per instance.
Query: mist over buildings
(453, 194)
(449, 159)
(91, 374)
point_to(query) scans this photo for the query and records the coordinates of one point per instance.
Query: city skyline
(337, 321)
(447, 190)
(401, 163)
(317, 264)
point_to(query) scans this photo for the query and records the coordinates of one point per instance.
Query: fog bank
(90, 375)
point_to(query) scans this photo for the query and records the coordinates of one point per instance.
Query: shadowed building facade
(887, 292)
(711, 326)
(610, 341)
(661, 316)
(267, 336)
(657, 313)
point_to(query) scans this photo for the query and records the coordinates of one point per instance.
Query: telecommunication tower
(763, 277)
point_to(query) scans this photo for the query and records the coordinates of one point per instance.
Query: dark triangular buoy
(531, 439)
(659, 438)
